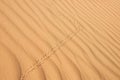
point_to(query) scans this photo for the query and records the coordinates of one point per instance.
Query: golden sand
(59, 40)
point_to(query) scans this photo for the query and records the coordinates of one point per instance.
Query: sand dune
(59, 40)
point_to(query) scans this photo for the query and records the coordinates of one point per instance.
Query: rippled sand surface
(59, 40)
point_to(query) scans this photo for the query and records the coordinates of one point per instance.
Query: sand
(59, 40)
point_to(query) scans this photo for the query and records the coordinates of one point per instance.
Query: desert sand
(59, 40)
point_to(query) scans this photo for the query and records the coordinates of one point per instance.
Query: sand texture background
(59, 39)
